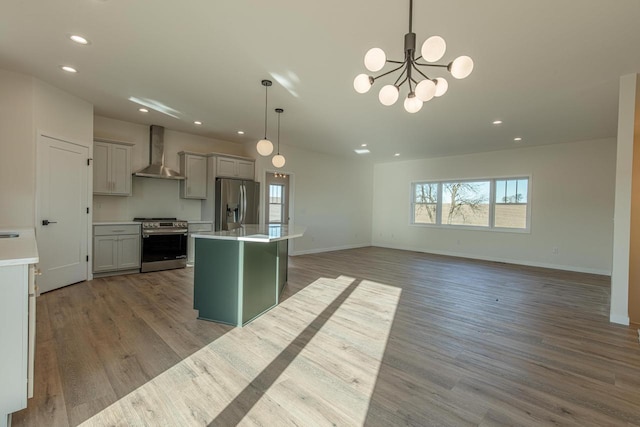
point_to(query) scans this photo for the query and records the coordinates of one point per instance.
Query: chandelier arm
(389, 72)
(395, 62)
(418, 70)
(398, 79)
(432, 65)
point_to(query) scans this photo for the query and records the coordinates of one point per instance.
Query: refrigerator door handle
(244, 209)
(241, 217)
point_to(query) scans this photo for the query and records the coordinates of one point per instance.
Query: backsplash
(151, 198)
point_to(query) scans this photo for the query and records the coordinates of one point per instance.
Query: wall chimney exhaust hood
(156, 168)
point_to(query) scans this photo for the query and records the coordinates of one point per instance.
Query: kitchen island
(240, 273)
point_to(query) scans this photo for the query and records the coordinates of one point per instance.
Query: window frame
(492, 203)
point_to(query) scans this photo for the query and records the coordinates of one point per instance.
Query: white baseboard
(620, 320)
(504, 260)
(331, 249)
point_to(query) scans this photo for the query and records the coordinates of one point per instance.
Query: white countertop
(117, 223)
(191, 221)
(18, 250)
(255, 233)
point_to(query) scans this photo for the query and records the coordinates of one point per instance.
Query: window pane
(424, 213)
(523, 190)
(466, 203)
(275, 193)
(511, 215)
(275, 213)
(426, 193)
(501, 187)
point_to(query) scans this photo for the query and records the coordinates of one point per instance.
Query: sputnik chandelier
(433, 50)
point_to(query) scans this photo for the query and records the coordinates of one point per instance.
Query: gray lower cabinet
(116, 248)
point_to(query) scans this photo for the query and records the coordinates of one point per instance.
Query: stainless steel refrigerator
(237, 203)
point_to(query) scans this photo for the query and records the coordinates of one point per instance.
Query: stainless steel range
(164, 243)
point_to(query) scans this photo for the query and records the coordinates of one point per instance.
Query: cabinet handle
(118, 231)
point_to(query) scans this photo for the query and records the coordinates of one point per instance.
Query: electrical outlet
(554, 250)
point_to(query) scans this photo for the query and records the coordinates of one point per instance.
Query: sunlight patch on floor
(279, 369)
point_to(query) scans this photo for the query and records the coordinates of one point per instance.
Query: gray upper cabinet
(194, 167)
(230, 167)
(111, 168)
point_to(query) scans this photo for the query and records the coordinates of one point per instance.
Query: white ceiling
(549, 69)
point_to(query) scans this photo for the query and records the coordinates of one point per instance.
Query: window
(425, 203)
(276, 202)
(488, 203)
(511, 203)
(465, 203)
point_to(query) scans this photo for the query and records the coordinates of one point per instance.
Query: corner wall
(572, 197)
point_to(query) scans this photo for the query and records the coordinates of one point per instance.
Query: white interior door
(61, 212)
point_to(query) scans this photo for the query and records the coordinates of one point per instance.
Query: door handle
(47, 222)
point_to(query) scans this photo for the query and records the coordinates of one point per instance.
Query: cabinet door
(120, 169)
(105, 253)
(245, 169)
(227, 167)
(196, 173)
(128, 252)
(101, 168)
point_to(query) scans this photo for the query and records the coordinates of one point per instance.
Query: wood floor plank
(419, 340)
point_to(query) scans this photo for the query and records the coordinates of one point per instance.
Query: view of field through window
(470, 203)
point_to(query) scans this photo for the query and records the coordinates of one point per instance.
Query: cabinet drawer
(194, 228)
(115, 230)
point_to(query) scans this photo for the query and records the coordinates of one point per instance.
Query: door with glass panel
(277, 199)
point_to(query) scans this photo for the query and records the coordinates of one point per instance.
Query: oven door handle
(164, 233)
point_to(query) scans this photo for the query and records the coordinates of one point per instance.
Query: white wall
(28, 105)
(572, 198)
(153, 197)
(332, 198)
(17, 150)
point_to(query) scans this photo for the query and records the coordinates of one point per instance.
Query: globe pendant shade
(413, 104)
(375, 59)
(278, 160)
(441, 86)
(461, 67)
(388, 95)
(425, 90)
(362, 83)
(433, 49)
(264, 147)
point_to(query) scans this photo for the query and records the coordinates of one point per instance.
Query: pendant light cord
(266, 97)
(278, 133)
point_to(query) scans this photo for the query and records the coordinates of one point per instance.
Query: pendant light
(278, 160)
(264, 146)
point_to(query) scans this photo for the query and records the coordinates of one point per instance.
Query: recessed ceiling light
(143, 110)
(197, 123)
(69, 69)
(397, 155)
(518, 139)
(497, 122)
(240, 132)
(362, 151)
(78, 39)
(363, 145)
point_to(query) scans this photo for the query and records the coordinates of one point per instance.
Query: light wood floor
(367, 336)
